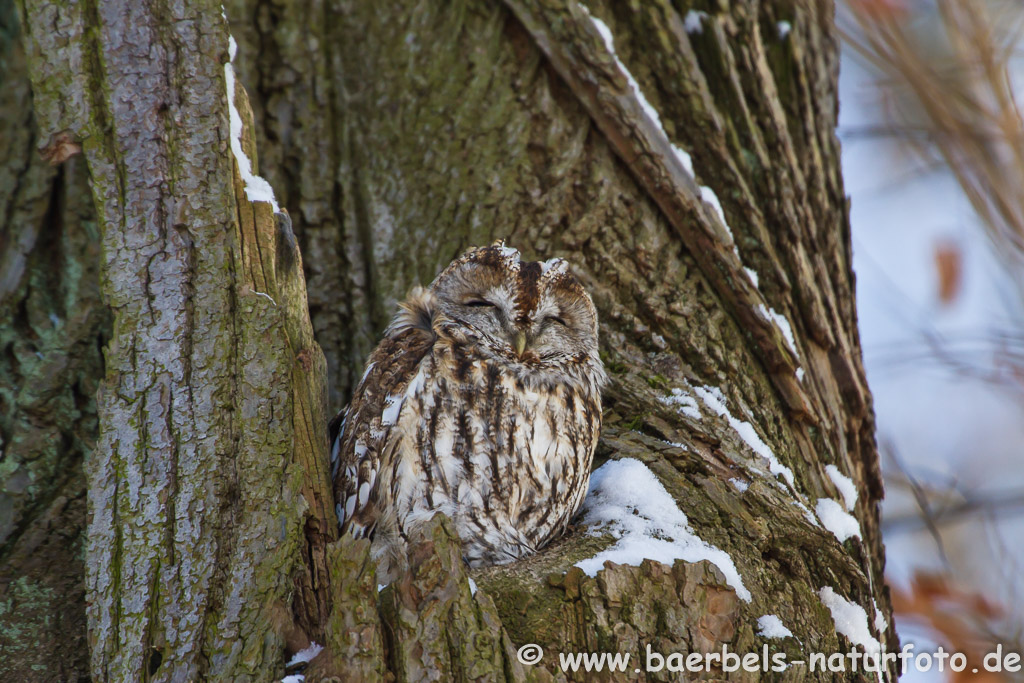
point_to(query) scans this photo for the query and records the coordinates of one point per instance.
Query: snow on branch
(257, 189)
(626, 500)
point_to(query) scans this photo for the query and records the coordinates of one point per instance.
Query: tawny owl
(483, 401)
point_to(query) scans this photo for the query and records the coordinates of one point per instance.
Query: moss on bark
(208, 495)
(52, 325)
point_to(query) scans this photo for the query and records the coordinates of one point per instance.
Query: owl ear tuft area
(418, 311)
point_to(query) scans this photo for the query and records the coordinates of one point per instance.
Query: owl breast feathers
(483, 401)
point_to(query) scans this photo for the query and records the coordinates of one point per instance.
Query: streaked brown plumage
(483, 401)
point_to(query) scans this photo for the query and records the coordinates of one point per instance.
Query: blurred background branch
(944, 77)
(944, 70)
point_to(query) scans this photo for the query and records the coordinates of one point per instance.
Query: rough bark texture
(208, 490)
(455, 124)
(52, 328)
(397, 135)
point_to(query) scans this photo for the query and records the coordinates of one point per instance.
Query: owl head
(534, 313)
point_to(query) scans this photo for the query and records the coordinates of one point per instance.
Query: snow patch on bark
(835, 519)
(770, 626)
(687, 404)
(881, 623)
(707, 194)
(772, 315)
(307, 655)
(694, 21)
(845, 485)
(714, 400)
(752, 274)
(626, 500)
(257, 189)
(850, 619)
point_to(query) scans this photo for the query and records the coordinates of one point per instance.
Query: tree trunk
(52, 328)
(683, 161)
(208, 491)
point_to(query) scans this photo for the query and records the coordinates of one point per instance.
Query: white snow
(772, 627)
(472, 586)
(782, 322)
(783, 27)
(626, 500)
(256, 188)
(835, 519)
(307, 655)
(382, 586)
(850, 619)
(881, 624)
(714, 400)
(706, 193)
(752, 274)
(265, 296)
(709, 196)
(609, 42)
(294, 678)
(740, 485)
(845, 485)
(807, 513)
(694, 21)
(800, 374)
(687, 404)
(684, 158)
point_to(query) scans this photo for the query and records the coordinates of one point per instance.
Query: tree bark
(397, 135)
(460, 124)
(52, 330)
(208, 492)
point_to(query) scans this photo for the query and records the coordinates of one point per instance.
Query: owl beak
(520, 343)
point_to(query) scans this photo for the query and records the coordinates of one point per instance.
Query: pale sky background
(946, 427)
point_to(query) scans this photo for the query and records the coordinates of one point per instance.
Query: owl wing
(364, 436)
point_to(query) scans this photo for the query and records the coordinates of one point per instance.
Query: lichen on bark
(52, 325)
(207, 488)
